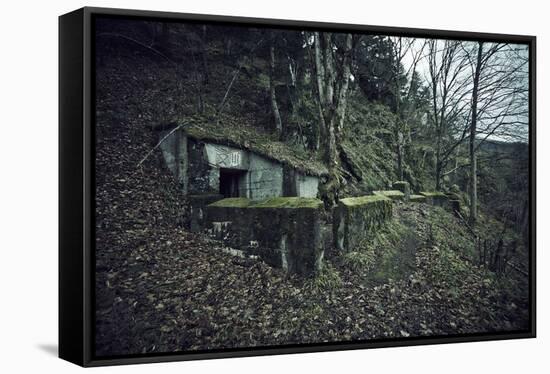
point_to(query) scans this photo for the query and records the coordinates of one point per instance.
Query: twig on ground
(158, 145)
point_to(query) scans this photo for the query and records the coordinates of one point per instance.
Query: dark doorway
(229, 182)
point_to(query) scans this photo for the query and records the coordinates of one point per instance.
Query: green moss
(326, 280)
(227, 131)
(360, 261)
(361, 200)
(232, 202)
(388, 252)
(288, 202)
(400, 183)
(357, 217)
(275, 202)
(390, 193)
(432, 194)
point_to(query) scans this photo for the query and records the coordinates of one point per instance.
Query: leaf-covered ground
(165, 290)
(160, 288)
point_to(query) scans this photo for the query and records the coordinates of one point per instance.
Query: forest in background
(437, 113)
(441, 114)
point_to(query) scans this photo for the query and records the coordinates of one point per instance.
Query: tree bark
(473, 132)
(400, 155)
(332, 93)
(272, 94)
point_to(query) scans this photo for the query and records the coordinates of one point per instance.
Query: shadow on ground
(50, 349)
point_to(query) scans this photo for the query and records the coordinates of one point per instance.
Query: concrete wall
(299, 184)
(404, 187)
(306, 185)
(202, 179)
(265, 178)
(285, 232)
(197, 214)
(436, 198)
(355, 219)
(196, 166)
(222, 156)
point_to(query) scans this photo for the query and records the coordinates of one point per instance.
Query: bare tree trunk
(473, 131)
(332, 106)
(436, 119)
(319, 71)
(272, 94)
(319, 75)
(439, 154)
(400, 155)
(343, 92)
(438, 175)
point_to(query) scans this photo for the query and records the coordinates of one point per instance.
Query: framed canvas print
(235, 186)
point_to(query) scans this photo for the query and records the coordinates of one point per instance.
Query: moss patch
(275, 202)
(417, 198)
(232, 202)
(365, 145)
(355, 218)
(361, 200)
(248, 137)
(394, 246)
(326, 280)
(432, 194)
(359, 260)
(392, 194)
(288, 202)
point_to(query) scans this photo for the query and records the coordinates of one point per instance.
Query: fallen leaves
(160, 288)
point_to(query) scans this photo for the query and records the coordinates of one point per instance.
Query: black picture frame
(76, 186)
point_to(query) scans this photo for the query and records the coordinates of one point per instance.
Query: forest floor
(160, 288)
(170, 290)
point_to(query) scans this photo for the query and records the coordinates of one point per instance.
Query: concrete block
(285, 232)
(417, 199)
(356, 218)
(197, 204)
(404, 187)
(436, 198)
(391, 194)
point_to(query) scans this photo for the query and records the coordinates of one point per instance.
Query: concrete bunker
(205, 164)
(253, 201)
(356, 218)
(285, 232)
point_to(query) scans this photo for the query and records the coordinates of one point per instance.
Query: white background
(28, 183)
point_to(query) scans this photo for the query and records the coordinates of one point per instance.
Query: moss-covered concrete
(288, 202)
(417, 199)
(248, 137)
(232, 202)
(432, 194)
(361, 200)
(404, 187)
(274, 202)
(355, 219)
(284, 231)
(436, 198)
(392, 194)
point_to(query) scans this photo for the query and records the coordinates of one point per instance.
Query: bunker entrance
(229, 182)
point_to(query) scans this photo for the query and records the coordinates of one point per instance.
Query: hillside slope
(160, 288)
